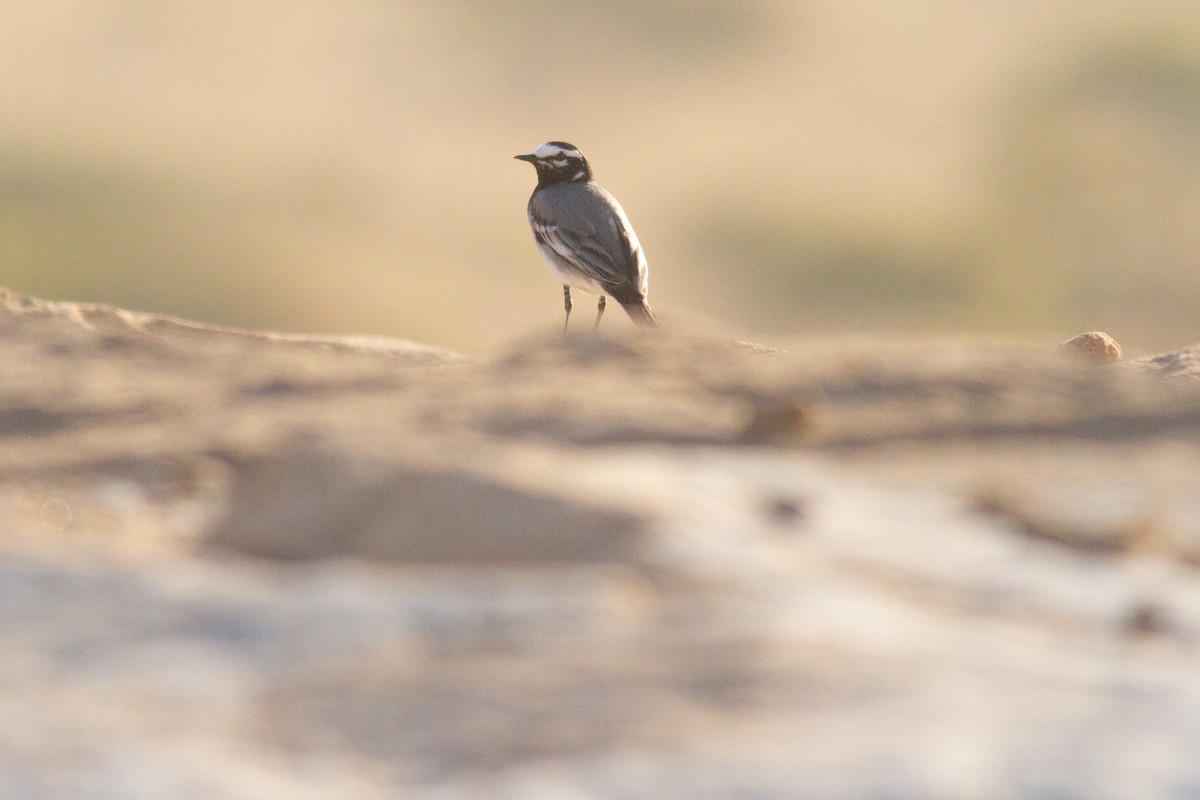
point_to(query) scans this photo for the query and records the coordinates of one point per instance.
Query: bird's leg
(566, 305)
(600, 311)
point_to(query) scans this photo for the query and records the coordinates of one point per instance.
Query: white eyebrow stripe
(548, 151)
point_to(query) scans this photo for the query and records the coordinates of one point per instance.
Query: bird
(583, 234)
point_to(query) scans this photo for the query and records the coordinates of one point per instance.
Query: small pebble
(784, 510)
(1095, 347)
(1146, 619)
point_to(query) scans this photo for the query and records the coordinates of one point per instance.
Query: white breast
(566, 273)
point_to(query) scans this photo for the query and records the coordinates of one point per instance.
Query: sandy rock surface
(244, 565)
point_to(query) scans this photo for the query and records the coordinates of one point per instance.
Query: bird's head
(558, 162)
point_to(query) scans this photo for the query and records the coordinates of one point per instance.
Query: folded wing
(588, 230)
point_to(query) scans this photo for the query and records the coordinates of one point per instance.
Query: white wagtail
(583, 234)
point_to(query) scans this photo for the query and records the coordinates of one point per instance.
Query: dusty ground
(256, 566)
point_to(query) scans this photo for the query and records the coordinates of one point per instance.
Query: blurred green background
(791, 167)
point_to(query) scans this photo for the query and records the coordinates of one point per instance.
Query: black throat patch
(563, 169)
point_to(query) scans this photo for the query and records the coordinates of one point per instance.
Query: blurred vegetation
(1098, 190)
(786, 275)
(666, 30)
(84, 231)
(790, 167)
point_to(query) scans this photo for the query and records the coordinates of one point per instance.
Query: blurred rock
(305, 502)
(1183, 363)
(252, 566)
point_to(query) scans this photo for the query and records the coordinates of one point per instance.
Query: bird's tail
(639, 311)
